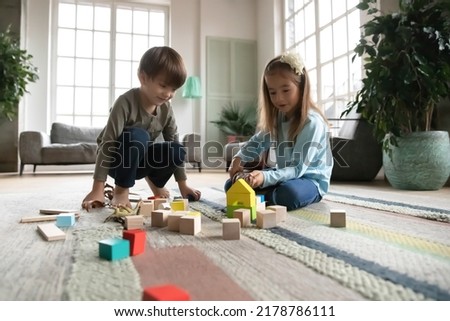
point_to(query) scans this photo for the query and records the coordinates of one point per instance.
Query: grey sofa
(66, 145)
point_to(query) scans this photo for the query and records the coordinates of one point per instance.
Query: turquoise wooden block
(65, 219)
(114, 249)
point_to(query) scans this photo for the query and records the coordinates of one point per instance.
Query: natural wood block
(147, 207)
(260, 206)
(191, 224)
(114, 249)
(159, 218)
(266, 219)
(231, 229)
(337, 218)
(167, 292)
(243, 214)
(280, 210)
(133, 222)
(137, 240)
(164, 206)
(50, 232)
(173, 220)
(159, 201)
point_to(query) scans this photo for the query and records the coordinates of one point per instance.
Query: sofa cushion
(69, 134)
(81, 153)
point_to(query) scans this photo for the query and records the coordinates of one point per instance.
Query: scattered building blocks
(337, 218)
(158, 201)
(241, 195)
(114, 249)
(173, 220)
(191, 224)
(166, 292)
(243, 214)
(137, 240)
(160, 217)
(50, 232)
(266, 219)
(134, 222)
(147, 207)
(280, 210)
(231, 229)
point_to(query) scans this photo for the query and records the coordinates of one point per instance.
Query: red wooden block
(167, 292)
(137, 241)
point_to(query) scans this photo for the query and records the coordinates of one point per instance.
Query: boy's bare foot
(158, 191)
(120, 197)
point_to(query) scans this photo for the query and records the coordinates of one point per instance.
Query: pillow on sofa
(69, 134)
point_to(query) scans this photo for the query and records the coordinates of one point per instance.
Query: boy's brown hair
(164, 61)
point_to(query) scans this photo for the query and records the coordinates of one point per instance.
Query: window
(324, 33)
(96, 55)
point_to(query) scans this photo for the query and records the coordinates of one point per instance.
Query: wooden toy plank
(51, 232)
(55, 211)
(41, 218)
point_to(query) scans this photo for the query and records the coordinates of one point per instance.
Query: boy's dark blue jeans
(136, 156)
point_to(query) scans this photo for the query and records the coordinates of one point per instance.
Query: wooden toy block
(191, 224)
(147, 207)
(167, 292)
(243, 214)
(231, 229)
(114, 249)
(159, 201)
(164, 206)
(55, 211)
(173, 220)
(65, 219)
(50, 232)
(181, 204)
(259, 198)
(260, 206)
(41, 218)
(280, 210)
(137, 240)
(241, 195)
(160, 218)
(266, 219)
(337, 218)
(133, 222)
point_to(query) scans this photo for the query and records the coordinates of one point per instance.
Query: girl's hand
(255, 179)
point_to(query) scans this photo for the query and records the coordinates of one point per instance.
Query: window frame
(113, 91)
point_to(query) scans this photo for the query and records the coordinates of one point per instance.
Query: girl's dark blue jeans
(136, 156)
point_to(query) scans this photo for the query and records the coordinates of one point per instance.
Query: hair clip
(293, 60)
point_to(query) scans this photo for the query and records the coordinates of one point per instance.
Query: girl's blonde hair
(268, 114)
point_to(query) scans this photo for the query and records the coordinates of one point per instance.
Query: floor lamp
(192, 90)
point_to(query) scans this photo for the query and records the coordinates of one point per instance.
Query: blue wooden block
(65, 219)
(114, 249)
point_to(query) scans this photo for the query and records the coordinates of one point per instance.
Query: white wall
(191, 22)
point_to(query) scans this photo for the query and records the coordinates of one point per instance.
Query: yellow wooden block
(180, 205)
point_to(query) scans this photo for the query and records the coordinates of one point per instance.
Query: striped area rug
(379, 261)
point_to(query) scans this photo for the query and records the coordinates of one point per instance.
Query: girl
(126, 148)
(298, 130)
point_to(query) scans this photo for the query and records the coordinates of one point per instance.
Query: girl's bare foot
(161, 192)
(120, 197)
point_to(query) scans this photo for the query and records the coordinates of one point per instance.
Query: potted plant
(407, 71)
(236, 121)
(16, 71)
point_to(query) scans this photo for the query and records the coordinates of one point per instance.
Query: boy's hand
(188, 192)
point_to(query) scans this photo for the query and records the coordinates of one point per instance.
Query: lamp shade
(192, 88)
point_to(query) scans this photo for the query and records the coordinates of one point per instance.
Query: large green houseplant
(16, 71)
(237, 121)
(407, 71)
